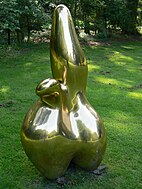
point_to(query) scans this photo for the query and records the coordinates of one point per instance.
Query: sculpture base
(53, 156)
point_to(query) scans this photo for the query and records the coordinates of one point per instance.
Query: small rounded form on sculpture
(62, 126)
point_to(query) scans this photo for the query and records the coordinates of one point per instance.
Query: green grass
(114, 89)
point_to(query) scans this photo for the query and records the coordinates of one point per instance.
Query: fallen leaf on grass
(100, 170)
(62, 180)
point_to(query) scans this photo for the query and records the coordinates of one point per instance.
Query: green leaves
(122, 14)
(103, 17)
(9, 15)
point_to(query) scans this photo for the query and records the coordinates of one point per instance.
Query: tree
(9, 15)
(20, 17)
(32, 17)
(139, 13)
(129, 25)
(123, 14)
(93, 12)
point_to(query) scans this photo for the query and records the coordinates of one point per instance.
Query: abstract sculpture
(62, 126)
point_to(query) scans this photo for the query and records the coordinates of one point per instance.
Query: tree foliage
(20, 17)
(9, 15)
(123, 14)
(32, 16)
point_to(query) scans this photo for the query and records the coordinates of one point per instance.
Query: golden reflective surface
(62, 126)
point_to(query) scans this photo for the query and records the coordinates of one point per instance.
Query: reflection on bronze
(62, 126)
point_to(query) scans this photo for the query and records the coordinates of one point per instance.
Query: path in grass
(114, 89)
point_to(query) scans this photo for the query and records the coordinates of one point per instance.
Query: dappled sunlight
(128, 47)
(136, 95)
(28, 64)
(121, 120)
(120, 125)
(115, 67)
(120, 59)
(105, 80)
(112, 81)
(4, 89)
(92, 67)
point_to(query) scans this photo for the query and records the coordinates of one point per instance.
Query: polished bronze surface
(62, 126)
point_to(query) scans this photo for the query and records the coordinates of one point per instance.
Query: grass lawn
(114, 89)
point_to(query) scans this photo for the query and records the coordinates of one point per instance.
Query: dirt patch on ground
(7, 104)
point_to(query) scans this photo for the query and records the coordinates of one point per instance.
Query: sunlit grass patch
(135, 95)
(92, 67)
(120, 58)
(4, 89)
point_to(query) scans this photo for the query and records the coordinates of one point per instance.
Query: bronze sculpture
(62, 126)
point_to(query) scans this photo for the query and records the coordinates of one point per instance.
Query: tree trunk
(28, 28)
(8, 37)
(86, 28)
(18, 37)
(86, 25)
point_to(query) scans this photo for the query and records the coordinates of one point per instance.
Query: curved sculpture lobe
(62, 126)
